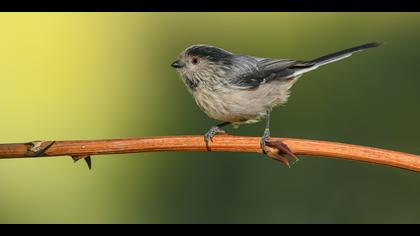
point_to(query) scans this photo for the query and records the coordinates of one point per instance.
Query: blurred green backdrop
(107, 75)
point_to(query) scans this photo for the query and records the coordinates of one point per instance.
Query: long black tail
(342, 54)
(307, 66)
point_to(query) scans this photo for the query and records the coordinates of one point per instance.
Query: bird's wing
(263, 70)
(255, 71)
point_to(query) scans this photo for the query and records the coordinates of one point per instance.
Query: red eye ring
(195, 60)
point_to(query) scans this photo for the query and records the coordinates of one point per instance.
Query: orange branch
(222, 143)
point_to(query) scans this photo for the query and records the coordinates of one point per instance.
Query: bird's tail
(333, 57)
(342, 54)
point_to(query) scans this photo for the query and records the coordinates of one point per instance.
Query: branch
(222, 143)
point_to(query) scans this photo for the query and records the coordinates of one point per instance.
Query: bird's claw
(265, 139)
(210, 134)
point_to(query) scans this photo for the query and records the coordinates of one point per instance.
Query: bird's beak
(177, 64)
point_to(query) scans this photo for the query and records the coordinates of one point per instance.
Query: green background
(107, 75)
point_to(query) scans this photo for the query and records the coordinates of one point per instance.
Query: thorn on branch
(38, 148)
(278, 151)
(87, 159)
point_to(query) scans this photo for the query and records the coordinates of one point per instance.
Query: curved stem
(222, 143)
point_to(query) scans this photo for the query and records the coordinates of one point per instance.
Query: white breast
(237, 106)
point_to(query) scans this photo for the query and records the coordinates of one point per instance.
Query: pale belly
(242, 106)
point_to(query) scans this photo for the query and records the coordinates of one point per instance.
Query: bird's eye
(195, 60)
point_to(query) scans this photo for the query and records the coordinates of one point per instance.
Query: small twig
(224, 143)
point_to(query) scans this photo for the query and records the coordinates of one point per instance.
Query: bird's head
(201, 62)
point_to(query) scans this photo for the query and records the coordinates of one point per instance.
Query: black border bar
(212, 5)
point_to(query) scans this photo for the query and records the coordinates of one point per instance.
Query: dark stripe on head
(210, 53)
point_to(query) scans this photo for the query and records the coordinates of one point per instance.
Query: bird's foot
(281, 149)
(211, 133)
(265, 139)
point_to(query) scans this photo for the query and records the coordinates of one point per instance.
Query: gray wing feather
(268, 65)
(263, 70)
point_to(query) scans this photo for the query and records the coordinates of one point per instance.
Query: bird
(242, 89)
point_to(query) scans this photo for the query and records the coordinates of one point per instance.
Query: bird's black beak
(177, 64)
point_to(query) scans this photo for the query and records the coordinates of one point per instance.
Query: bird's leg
(266, 136)
(212, 132)
(279, 145)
